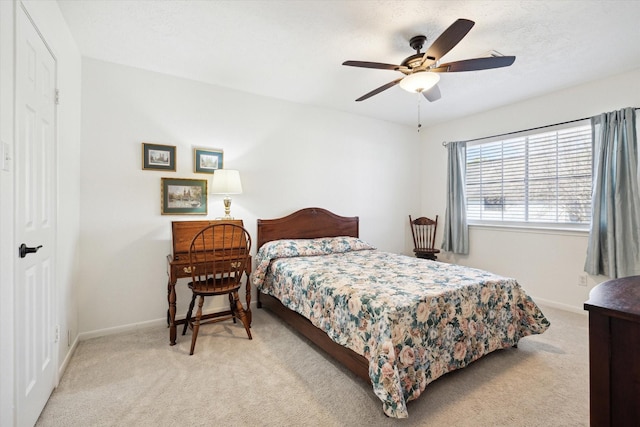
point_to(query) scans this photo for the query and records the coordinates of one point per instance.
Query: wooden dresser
(614, 352)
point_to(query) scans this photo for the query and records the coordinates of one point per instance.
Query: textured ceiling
(293, 50)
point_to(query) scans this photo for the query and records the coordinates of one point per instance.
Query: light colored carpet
(280, 379)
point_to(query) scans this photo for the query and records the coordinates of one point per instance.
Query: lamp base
(227, 208)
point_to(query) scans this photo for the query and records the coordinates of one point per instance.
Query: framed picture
(181, 196)
(206, 160)
(158, 157)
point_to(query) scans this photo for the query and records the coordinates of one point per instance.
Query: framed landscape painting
(158, 157)
(207, 160)
(181, 196)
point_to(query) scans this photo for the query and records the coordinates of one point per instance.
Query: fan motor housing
(413, 60)
(416, 43)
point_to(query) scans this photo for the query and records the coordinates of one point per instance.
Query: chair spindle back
(423, 231)
(219, 252)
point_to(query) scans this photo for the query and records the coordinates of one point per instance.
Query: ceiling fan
(421, 69)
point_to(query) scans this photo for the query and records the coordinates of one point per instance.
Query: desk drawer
(179, 268)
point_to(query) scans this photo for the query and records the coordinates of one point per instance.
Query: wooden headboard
(308, 223)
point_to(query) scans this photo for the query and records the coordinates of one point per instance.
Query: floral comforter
(414, 320)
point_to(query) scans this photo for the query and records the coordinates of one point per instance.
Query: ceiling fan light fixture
(420, 81)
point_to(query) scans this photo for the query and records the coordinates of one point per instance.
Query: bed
(396, 321)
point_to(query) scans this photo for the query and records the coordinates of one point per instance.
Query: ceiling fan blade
(377, 65)
(475, 64)
(432, 94)
(380, 89)
(448, 40)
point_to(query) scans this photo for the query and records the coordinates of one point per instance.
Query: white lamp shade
(420, 81)
(226, 181)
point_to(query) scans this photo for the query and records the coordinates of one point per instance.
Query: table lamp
(226, 181)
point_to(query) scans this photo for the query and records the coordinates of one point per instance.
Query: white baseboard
(120, 329)
(163, 322)
(560, 306)
(140, 325)
(65, 362)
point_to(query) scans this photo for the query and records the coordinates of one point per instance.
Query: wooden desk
(178, 267)
(614, 352)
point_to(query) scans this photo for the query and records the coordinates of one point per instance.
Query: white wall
(50, 23)
(290, 156)
(547, 264)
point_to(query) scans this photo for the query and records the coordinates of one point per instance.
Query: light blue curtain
(614, 240)
(456, 230)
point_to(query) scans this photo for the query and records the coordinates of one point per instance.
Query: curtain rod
(445, 143)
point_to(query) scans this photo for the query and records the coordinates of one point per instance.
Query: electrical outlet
(57, 334)
(582, 280)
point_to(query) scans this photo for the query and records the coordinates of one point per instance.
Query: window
(536, 178)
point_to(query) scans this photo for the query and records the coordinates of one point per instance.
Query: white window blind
(540, 177)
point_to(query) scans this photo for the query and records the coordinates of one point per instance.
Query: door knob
(24, 250)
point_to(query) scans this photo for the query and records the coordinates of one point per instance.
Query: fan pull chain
(419, 124)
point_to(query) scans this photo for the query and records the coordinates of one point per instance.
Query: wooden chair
(423, 231)
(218, 258)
